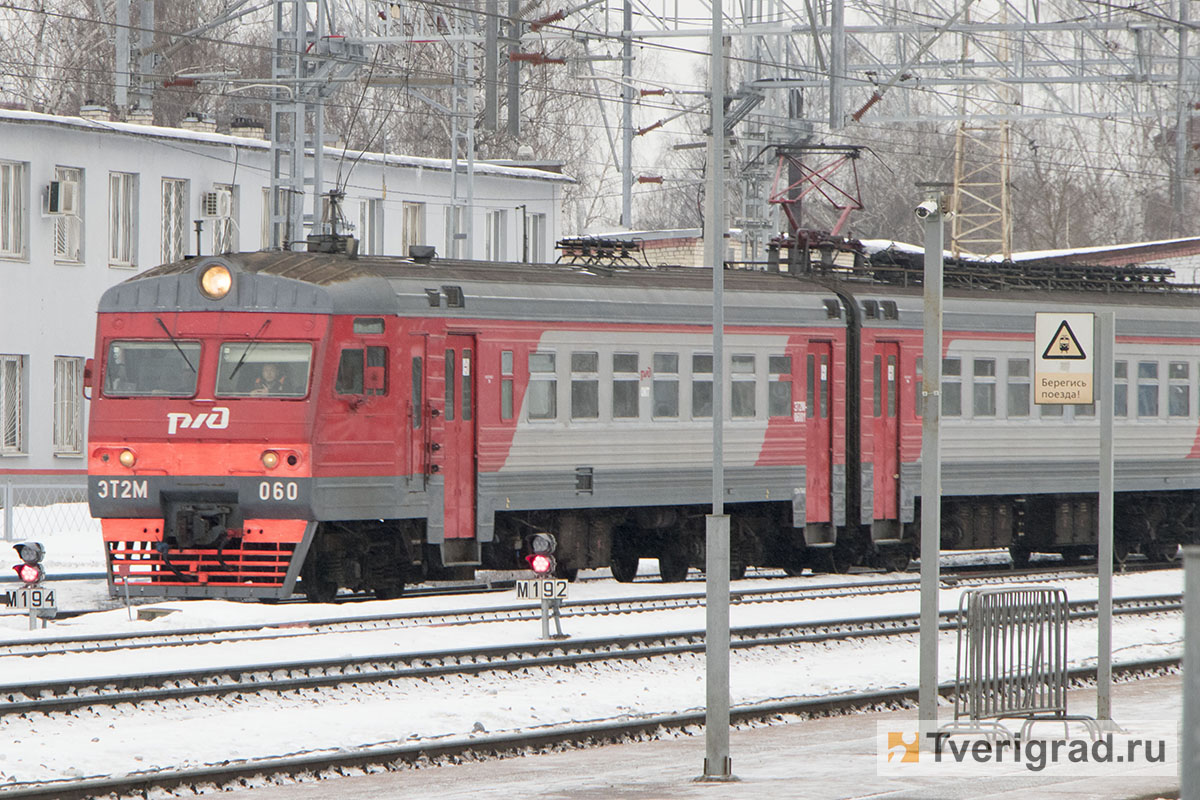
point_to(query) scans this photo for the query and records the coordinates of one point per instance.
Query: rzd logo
(899, 746)
(216, 419)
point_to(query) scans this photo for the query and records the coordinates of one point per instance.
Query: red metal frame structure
(802, 180)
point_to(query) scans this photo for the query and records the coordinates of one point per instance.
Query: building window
(625, 386)
(68, 228)
(779, 386)
(742, 404)
(370, 227)
(1018, 387)
(412, 227)
(666, 386)
(497, 235)
(535, 232)
(951, 387)
(174, 220)
(1179, 396)
(274, 234)
(1147, 389)
(1121, 389)
(224, 233)
(543, 386)
(585, 386)
(506, 384)
(14, 208)
(122, 219)
(12, 405)
(68, 406)
(983, 387)
(702, 386)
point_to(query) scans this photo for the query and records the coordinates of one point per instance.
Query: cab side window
(350, 372)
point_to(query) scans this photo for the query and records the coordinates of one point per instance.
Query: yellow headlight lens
(216, 281)
(127, 458)
(270, 459)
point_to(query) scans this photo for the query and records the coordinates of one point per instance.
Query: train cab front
(199, 437)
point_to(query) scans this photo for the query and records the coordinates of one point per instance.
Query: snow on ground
(167, 735)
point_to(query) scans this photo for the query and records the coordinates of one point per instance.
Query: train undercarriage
(382, 556)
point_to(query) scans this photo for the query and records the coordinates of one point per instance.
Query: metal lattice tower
(982, 221)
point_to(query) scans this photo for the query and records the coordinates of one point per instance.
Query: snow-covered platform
(822, 759)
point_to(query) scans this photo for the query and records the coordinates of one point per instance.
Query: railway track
(324, 765)
(525, 612)
(70, 695)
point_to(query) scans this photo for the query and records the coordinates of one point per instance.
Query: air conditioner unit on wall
(62, 198)
(217, 203)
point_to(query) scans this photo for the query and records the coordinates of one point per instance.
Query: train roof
(307, 282)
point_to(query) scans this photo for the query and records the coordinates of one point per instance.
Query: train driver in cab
(270, 381)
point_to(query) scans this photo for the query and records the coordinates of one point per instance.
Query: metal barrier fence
(1012, 655)
(41, 510)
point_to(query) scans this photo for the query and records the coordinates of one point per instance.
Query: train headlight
(270, 459)
(127, 458)
(216, 281)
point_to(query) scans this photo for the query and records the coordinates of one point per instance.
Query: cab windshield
(139, 369)
(254, 369)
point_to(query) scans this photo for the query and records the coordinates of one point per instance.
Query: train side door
(886, 373)
(459, 435)
(417, 417)
(818, 511)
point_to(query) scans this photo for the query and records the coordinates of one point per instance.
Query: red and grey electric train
(262, 419)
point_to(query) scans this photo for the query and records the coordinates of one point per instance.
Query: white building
(86, 203)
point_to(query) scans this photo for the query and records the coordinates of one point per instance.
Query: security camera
(926, 209)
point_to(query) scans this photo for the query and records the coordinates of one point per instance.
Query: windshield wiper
(249, 346)
(175, 342)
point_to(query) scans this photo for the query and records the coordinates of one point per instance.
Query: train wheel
(1162, 552)
(566, 573)
(1020, 556)
(894, 559)
(1121, 551)
(737, 570)
(389, 592)
(672, 565)
(840, 560)
(624, 566)
(319, 591)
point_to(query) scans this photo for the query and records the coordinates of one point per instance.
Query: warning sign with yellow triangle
(1064, 346)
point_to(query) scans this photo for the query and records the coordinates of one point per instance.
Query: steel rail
(67, 695)
(101, 642)
(384, 758)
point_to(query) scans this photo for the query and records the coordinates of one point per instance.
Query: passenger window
(1121, 389)
(585, 386)
(1147, 389)
(877, 378)
(742, 403)
(451, 361)
(543, 386)
(625, 386)
(702, 386)
(1179, 396)
(951, 387)
(666, 386)
(466, 386)
(350, 372)
(417, 386)
(506, 384)
(893, 383)
(1018, 387)
(983, 387)
(779, 386)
